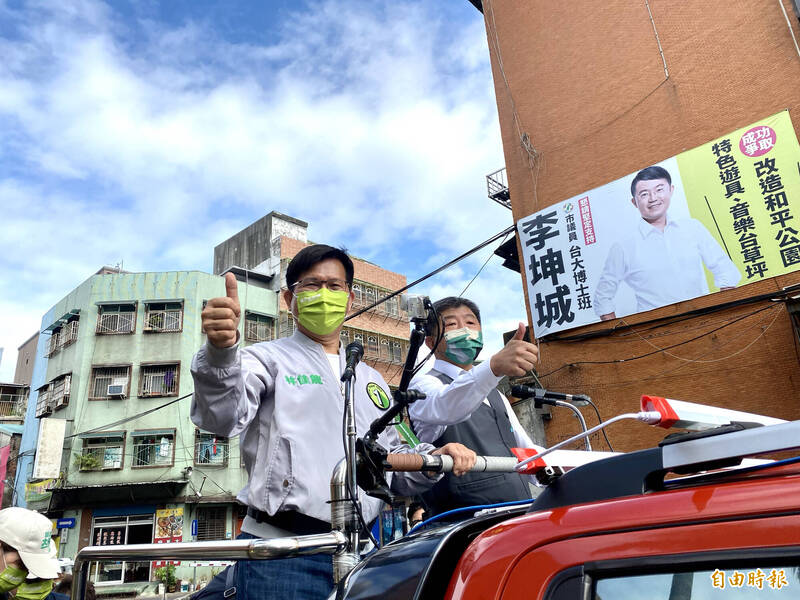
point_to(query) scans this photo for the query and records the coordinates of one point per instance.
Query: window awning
(250, 311)
(61, 320)
(105, 494)
(116, 302)
(101, 434)
(143, 432)
(165, 301)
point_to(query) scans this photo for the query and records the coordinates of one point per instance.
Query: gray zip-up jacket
(286, 403)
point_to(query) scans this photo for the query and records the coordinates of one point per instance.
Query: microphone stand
(372, 461)
(352, 525)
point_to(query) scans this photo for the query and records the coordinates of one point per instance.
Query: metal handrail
(257, 549)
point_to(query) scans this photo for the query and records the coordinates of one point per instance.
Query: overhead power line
(457, 259)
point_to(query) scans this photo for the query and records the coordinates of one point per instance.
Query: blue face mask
(463, 345)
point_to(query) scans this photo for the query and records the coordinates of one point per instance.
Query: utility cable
(459, 258)
(126, 419)
(714, 360)
(486, 262)
(665, 321)
(632, 358)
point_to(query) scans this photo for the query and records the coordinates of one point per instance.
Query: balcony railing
(148, 454)
(497, 187)
(207, 452)
(12, 405)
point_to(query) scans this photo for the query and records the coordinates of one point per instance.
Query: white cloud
(137, 141)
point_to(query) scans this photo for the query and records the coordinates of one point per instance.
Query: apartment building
(112, 374)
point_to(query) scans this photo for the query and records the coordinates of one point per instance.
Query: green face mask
(35, 590)
(322, 311)
(12, 577)
(463, 345)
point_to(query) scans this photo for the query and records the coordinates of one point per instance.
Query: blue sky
(148, 132)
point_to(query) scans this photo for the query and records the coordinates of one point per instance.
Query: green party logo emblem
(378, 396)
(46, 540)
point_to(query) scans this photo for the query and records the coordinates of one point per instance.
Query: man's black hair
(311, 255)
(447, 304)
(649, 174)
(414, 507)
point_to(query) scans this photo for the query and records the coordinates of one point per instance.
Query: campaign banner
(41, 490)
(715, 217)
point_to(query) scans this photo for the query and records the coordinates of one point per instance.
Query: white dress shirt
(664, 267)
(448, 404)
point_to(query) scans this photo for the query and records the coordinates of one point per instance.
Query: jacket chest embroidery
(302, 379)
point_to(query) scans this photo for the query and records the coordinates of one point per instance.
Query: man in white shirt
(662, 261)
(462, 403)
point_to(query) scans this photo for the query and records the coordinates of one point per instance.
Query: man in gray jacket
(285, 400)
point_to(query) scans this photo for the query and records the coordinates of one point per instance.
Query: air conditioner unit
(116, 390)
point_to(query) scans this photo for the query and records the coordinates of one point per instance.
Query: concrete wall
(26, 357)
(252, 245)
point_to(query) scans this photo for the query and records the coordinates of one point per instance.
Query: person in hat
(28, 556)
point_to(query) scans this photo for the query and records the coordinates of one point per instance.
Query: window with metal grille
(385, 352)
(258, 328)
(43, 406)
(153, 448)
(116, 318)
(369, 296)
(397, 352)
(287, 325)
(62, 336)
(344, 336)
(69, 333)
(59, 391)
(163, 317)
(158, 380)
(211, 523)
(391, 307)
(54, 343)
(109, 382)
(101, 453)
(358, 297)
(211, 450)
(372, 346)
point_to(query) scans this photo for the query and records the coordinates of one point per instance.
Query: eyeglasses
(312, 284)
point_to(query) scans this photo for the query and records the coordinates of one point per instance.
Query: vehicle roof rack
(643, 471)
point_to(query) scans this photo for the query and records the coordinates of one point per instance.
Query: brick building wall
(377, 323)
(585, 97)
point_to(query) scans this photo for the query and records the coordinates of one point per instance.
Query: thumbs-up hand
(220, 317)
(517, 358)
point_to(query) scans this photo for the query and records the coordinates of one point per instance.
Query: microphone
(353, 353)
(543, 396)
